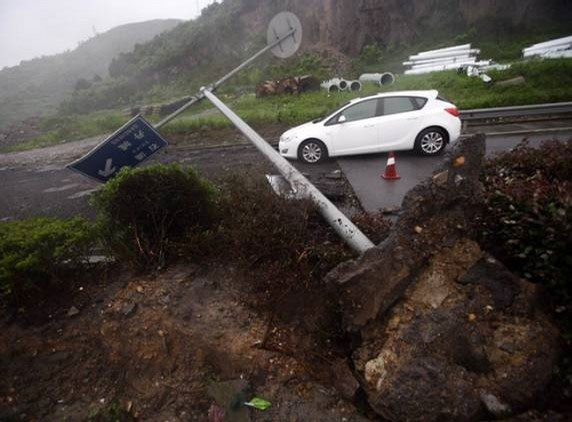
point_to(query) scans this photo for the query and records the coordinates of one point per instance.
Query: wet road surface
(40, 185)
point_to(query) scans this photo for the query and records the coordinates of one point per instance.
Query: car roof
(430, 93)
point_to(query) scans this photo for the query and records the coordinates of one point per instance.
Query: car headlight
(287, 138)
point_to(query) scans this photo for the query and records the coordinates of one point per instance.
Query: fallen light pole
(284, 37)
(340, 223)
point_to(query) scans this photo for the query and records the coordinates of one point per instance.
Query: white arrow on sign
(108, 171)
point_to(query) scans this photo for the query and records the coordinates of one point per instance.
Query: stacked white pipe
(444, 59)
(554, 49)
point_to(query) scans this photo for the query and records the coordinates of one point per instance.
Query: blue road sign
(129, 146)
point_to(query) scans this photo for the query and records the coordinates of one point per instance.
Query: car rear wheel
(312, 151)
(431, 141)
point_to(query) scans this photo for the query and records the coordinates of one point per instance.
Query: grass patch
(546, 81)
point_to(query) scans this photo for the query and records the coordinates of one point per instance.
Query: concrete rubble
(445, 331)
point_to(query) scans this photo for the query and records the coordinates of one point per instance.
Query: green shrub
(144, 214)
(36, 253)
(529, 203)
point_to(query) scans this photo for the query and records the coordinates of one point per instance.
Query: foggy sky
(31, 28)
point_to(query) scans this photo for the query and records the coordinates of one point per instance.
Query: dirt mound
(163, 347)
(19, 132)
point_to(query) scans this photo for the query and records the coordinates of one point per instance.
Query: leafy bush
(529, 203)
(36, 253)
(144, 214)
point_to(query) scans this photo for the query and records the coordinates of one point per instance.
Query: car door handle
(372, 125)
(412, 118)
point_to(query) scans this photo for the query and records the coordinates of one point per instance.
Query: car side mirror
(342, 119)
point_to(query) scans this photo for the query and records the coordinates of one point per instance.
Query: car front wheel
(431, 141)
(312, 151)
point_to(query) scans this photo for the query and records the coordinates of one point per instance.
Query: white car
(393, 121)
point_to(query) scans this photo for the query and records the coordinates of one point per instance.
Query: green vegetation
(144, 213)
(527, 220)
(546, 81)
(306, 64)
(39, 253)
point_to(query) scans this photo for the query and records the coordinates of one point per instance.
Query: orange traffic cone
(390, 171)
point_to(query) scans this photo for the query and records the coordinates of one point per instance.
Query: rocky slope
(348, 25)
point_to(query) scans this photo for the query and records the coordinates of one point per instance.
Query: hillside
(347, 36)
(37, 86)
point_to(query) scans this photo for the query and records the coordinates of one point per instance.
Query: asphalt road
(40, 185)
(376, 193)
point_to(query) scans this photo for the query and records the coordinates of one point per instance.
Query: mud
(161, 346)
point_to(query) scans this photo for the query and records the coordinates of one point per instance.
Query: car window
(419, 102)
(394, 105)
(359, 111)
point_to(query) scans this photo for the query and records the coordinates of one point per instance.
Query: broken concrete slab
(372, 283)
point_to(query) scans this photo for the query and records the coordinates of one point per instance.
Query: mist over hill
(37, 86)
(340, 36)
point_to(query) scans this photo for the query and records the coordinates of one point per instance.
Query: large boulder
(446, 331)
(464, 342)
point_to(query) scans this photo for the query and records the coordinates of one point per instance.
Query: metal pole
(341, 224)
(253, 58)
(199, 97)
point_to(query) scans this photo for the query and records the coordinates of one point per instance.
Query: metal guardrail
(525, 110)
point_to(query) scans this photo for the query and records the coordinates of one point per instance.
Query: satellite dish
(279, 26)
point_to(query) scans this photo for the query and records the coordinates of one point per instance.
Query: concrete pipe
(343, 84)
(387, 78)
(355, 86)
(371, 77)
(331, 86)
